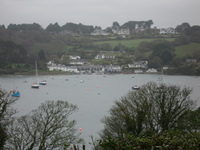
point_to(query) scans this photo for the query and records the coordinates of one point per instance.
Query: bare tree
(152, 109)
(47, 127)
(6, 114)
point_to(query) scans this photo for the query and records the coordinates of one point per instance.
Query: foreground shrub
(169, 140)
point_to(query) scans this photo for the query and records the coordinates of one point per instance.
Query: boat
(15, 93)
(35, 85)
(44, 82)
(135, 87)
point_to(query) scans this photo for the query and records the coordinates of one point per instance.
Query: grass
(187, 50)
(129, 43)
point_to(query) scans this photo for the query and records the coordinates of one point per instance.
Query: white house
(167, 30)
(122, 31)
(99, 32)
(74, 57)
(71, 69)
(62, 68)
(113, 68)
(79, 62)
(139, 64)
(104, 56)
(152, 70)
(91, 68)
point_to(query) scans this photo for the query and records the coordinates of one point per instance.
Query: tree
(41, 55)
(152, 109)
(47, 127)
(6, 114)
(65, 60)
(165, 51)
(53, 28)
(155, 62)
(115, 25)
(183, 27)
(193, 33)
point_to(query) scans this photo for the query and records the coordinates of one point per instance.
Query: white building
(104, 56)
(167, 30)
(139, 64)
(79, 62)
(152, 70)
(74, 57)
(99, 32)
(122, 31)
(113, 68)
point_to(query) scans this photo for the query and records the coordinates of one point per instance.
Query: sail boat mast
(36, 71)
(35, 85)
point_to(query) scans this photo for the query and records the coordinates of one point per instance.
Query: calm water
(93, 97)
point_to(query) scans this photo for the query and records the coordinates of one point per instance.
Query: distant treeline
(76, 28)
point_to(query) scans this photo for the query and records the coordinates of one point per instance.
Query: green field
(129, 43)
(187, 50)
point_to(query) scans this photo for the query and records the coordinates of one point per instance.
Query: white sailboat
(35, 84)
(136, 87)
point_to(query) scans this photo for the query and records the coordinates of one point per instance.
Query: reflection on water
(93, 94)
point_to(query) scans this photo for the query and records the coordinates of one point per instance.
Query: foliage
(6, 114)
(168, 140)
(23, 27)
(193, 33)
(154, 108)
(47, 127)
(78, 28)
(183, 27)
(164, 51)
(41, 55)
(53, 28)
(11, 53)
(132, 24)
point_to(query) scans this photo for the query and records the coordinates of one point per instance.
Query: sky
(163, 13)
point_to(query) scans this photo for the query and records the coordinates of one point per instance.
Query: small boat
(35, 85)
(44, 82)
(15, 93)
(81, 81)
(135, 87)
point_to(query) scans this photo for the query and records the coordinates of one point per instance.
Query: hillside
(20, 47)
(133, 43)
(190, 49)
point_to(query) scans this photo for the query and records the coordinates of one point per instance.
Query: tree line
(55, 28)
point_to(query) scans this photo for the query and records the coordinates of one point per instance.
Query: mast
(36, 71)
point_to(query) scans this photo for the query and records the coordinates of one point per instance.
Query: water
(94, 96)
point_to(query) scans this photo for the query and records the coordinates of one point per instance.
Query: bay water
(93, 94)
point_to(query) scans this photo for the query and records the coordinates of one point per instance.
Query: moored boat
(35, 85)
(44, 82)
(135, 87)
(15, 93)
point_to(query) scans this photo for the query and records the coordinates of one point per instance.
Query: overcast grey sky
(164, 13)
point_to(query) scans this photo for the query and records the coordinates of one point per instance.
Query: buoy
(80, 129)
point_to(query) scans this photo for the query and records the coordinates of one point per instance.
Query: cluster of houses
(82, 66)
(126, 31)
(103, 32)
